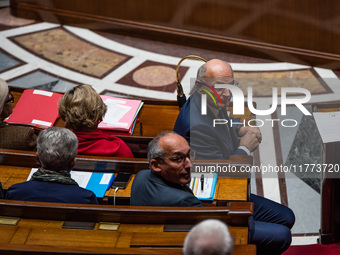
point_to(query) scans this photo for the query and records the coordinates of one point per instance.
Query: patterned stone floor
(53, 57)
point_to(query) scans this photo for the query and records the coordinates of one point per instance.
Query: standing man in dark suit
(165, 183)
(271, 222)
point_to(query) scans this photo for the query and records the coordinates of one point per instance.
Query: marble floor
(53, 57)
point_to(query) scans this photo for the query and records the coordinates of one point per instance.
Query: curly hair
(81, 107)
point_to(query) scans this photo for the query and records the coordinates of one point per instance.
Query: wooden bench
(41, 225)
(15, 167)
(155, 116)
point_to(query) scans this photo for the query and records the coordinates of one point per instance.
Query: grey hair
(3, 94)
(154, 151)
(210, 237)
(57, 147)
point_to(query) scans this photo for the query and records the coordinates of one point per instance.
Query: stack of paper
(203, 185)
(121, 115)
(36, 108)
(98, 183)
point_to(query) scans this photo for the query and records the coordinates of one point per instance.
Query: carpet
(314, 249)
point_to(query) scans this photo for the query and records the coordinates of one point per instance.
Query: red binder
(37, 108)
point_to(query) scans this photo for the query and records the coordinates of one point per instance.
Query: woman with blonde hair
(13, 137)
(82, 109)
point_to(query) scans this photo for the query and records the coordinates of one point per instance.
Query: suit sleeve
(191, 201)
(204, 143)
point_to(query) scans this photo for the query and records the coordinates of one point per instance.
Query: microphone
(181, 98)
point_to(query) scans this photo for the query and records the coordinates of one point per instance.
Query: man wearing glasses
(165, 184)
(271, 222)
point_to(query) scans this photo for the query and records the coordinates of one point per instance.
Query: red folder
(36, 108)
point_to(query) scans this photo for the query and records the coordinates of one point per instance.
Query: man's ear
(155, 165)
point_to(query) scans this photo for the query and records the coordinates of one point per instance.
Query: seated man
(271, 222)
(207, 238)
(207, 140)
(56, 151)
(165, 183)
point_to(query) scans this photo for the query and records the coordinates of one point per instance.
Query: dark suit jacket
(207, 141)
(50, 192)
(150, 189)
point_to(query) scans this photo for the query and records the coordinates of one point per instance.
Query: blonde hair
(3, 93)
(81, 107)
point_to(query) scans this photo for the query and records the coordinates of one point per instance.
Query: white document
(208, 184)
(82, 178)
(328, 124)
(114, 113)
(105, 179)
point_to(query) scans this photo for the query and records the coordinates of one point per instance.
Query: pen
(202, 182)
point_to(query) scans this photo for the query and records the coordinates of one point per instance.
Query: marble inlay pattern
(62, 47)
(153, 75)
(7, 62)
(263, 82)
(40, 79)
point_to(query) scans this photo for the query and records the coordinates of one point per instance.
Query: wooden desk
(15, 167)
(330, 186)
(155, 116)
(139, 227)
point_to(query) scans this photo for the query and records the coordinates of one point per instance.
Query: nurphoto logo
(238, 104)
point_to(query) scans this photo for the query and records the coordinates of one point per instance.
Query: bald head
(214, 68)
(217, 68)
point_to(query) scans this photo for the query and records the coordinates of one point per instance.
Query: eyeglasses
(11, 99)
(181, 158)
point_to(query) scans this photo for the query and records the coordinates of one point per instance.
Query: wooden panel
(7, 233)
(170, 239)
(46, 230)
(232, 189)
(6, 249)
(70, 237)
(236, 213)
(176, 239)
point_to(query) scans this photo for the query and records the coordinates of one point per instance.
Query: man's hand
(255, 130)
(250, 140)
